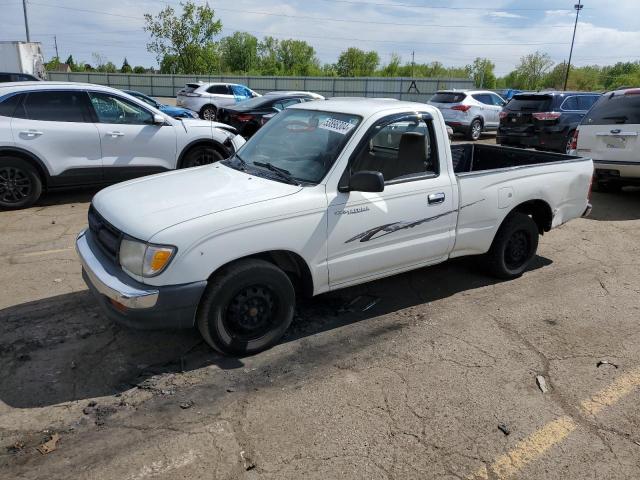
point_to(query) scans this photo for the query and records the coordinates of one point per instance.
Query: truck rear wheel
(514, 246)
(246, 308)
(20, 183)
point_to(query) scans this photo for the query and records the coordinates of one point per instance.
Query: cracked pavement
(414, 387)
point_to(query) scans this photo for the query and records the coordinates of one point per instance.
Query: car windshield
(305, 143)
(530, 103)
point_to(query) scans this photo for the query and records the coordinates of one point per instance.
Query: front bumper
(133, 303)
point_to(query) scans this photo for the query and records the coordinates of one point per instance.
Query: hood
(145, 206)
(190, 123)
(171, 110)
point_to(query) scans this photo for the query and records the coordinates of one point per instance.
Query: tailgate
(617, 143)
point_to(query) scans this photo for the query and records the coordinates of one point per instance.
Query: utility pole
(578, 6)
(55, 40)
(413, 61)
(26, 19)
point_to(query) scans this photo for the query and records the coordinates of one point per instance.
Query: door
(410, 223)
(57, 127)
(221, 95)
(132, 145)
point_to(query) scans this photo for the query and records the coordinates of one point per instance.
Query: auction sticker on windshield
(336, 125)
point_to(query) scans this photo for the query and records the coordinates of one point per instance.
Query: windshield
(448, 97)
(614, 109)
(305, 143)
(529, 103)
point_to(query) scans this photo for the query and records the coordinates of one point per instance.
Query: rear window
(615, 109)
(529, 103)
(448, 97)
(190, 87)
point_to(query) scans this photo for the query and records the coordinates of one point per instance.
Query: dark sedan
(247, 117)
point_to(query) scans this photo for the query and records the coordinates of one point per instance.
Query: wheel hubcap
(517, 250)
(476, 130)
(204, 156)
(209, 114)
(251, 313)
(15, 185)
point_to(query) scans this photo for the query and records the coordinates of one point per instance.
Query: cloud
(504, 15)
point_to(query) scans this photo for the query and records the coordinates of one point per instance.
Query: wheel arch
(29, 157)
(539, 210)
(289, 262)
(202, 142)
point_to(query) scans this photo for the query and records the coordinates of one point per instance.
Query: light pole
(578, 6)
(26, 19)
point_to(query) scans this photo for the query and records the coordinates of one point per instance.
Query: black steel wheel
(203, 155)
(246, 307)
(514, 246)
(20, 184)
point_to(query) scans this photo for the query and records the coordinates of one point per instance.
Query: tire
(246, 308)
(209, 112)
(475, 130)
(201, 155)
(514, 246)
(20, 183)
(567, 147)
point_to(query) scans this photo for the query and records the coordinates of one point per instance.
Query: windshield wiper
(281, 172)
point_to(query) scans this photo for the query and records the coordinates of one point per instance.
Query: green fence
(417, 89)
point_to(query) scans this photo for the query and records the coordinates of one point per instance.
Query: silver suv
(470, 112)
(206, 98)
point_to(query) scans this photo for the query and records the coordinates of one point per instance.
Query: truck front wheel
(514, 246)
(246, 307)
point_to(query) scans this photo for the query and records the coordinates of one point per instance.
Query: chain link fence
(413, 89)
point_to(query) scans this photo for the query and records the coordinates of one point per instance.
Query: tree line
(187, 43)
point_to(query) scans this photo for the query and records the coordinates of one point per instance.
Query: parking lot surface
(434, 374)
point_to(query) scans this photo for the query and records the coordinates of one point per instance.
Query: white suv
(610, 135)
(206, 98)
(55, 135)
(470, 112)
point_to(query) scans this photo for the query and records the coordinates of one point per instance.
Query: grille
(108, 237)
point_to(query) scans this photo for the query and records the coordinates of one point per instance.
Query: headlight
(144, 259)
(194, 114)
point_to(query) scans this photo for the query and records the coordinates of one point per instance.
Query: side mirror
(158, 120)
(365, 181)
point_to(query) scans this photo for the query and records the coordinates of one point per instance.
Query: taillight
(546, 116)
(503, 115)
(461, 108)
(243, 118)
(574, 140)
(192, 94)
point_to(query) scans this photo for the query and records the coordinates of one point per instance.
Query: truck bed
(469, 157)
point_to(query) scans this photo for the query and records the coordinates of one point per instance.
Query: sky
(453, 32)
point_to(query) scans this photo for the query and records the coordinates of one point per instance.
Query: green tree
(354, 62)
(392, 69)
(70, 62)
(52, 64)
(139, 69)
(189, 37)
(108, 67)
(268, 56)
(532, 69)
(482, 73)
(239, 52)
(126, 68)
(297, 57)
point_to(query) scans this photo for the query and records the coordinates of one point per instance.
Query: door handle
(616, 131)
(115, 134)
(436, 198)
(31, 133)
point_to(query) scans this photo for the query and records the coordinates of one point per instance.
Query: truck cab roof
(364, 107)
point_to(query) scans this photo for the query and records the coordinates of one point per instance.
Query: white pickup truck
(326, 195)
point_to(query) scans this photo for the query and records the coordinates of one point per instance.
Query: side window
(571, 103)
(399, 150)
(585, 102)
(483, 98)
(219, 90)
(240, 91)
(113, 109)
(497, 101)
(56, 106)
(282, 104)
(8, 105)
(5, 77)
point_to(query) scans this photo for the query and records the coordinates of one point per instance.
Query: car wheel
(246, 307)
(514, 246)
(203, 155)
(569, 144)
(475, 130)
(20, 183)
(209, 112)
